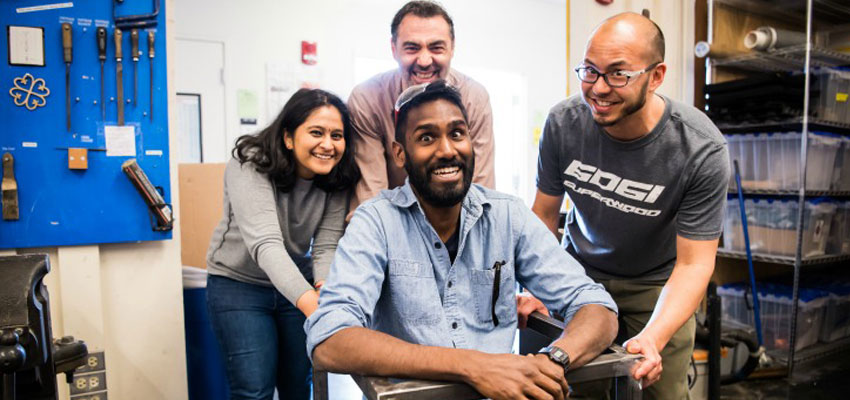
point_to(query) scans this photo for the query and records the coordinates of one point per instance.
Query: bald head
(632, 29)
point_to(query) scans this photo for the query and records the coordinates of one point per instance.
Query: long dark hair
(266, 149)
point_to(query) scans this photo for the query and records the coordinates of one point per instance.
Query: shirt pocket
(413, 292)
(482, 287)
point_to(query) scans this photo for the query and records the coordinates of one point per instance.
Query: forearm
(592, 329)
(363, 351)
(549, 217)
(679, 299)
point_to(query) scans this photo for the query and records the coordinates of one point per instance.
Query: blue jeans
(262, 340)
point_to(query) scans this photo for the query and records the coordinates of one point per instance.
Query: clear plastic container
(839, 238)
(772, 225)
(843, 164)
(836, 320)
(775, 305)
(832, 102)
(822, 152)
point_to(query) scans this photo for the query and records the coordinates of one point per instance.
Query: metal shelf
(826, 12)
(785, 260)
(786, 59)
(788, 124)
(809, 193)
(816, 359)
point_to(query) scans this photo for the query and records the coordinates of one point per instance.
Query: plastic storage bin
(772, 226)
(771, 161)
(843, 165)
(836, 320)
(839, 238)
(775, 303)
(832, 102)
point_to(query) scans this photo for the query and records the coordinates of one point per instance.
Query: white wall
(524, 37)
(125, 300)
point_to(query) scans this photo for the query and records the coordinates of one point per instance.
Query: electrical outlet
(91, 396)
(91, 382)
(94, 362)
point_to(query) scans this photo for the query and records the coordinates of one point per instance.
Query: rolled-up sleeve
(550, 273)
(353, 287)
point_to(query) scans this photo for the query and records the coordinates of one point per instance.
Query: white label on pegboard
(21, 10)
(31, 145)
(153, 153)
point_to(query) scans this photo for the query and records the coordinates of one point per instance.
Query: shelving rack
(796, 58)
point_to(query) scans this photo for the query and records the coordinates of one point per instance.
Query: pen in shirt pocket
(497, 267)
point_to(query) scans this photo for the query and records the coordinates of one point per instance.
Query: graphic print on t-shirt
(609, 182)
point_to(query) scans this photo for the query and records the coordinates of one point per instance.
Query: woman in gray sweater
(286, 193)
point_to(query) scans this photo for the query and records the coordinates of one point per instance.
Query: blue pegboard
(59, 206)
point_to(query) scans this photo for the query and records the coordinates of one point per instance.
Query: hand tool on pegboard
(134, 49)
(67, 55)
(154, 200)
(151, 35)
(9, 188)
(119, 76)
(101, 55)
(135, 21)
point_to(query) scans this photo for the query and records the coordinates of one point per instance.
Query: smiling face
(318, 144)
(620, 45)
(437, 153)
(423, 48)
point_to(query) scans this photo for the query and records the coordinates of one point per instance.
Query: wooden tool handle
(66, 42)
(8, 166)
(118, 52)
(101, 43)
(134, 44)
(151, 35)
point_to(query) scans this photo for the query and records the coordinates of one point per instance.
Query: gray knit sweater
(265, 236)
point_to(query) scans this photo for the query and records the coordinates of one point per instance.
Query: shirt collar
(473, 203)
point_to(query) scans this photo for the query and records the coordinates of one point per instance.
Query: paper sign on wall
(120, 141)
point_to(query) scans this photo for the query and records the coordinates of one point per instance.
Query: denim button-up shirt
(393, 274)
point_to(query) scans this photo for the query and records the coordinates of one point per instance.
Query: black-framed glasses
(614, 79)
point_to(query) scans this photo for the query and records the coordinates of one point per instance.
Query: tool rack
(67, 142)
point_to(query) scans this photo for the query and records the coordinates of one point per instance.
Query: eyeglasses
(615, 79)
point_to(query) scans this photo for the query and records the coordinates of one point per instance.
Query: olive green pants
(636, 301)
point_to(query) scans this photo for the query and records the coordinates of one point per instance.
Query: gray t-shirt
(630, 199)
(270, 238)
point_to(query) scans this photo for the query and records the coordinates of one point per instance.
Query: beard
(440, 195)
(628, 109)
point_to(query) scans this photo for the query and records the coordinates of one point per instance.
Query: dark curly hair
(266, 149)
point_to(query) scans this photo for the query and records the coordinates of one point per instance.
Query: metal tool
(9, 188)
(139, 21)
(101, 55)
(134, 50)
(119, 76)
(151, 35)
(67, 55)
(154, 200)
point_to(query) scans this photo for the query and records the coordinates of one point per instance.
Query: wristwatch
(557, 355)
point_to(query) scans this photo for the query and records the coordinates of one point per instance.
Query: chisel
(134, 50)
(119, 72)
(67, 55)
(101, 55)
(9, 189)
(151, 35)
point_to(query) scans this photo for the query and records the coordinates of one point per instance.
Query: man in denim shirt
(423, 283)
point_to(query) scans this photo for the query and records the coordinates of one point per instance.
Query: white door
(200, 71)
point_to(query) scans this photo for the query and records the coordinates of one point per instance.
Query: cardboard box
(201, 204)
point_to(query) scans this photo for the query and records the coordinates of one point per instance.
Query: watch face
(559, 354)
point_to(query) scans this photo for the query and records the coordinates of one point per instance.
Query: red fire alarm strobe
(308, 53)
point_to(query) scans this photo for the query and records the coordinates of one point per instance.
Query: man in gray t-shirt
(646, 178)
